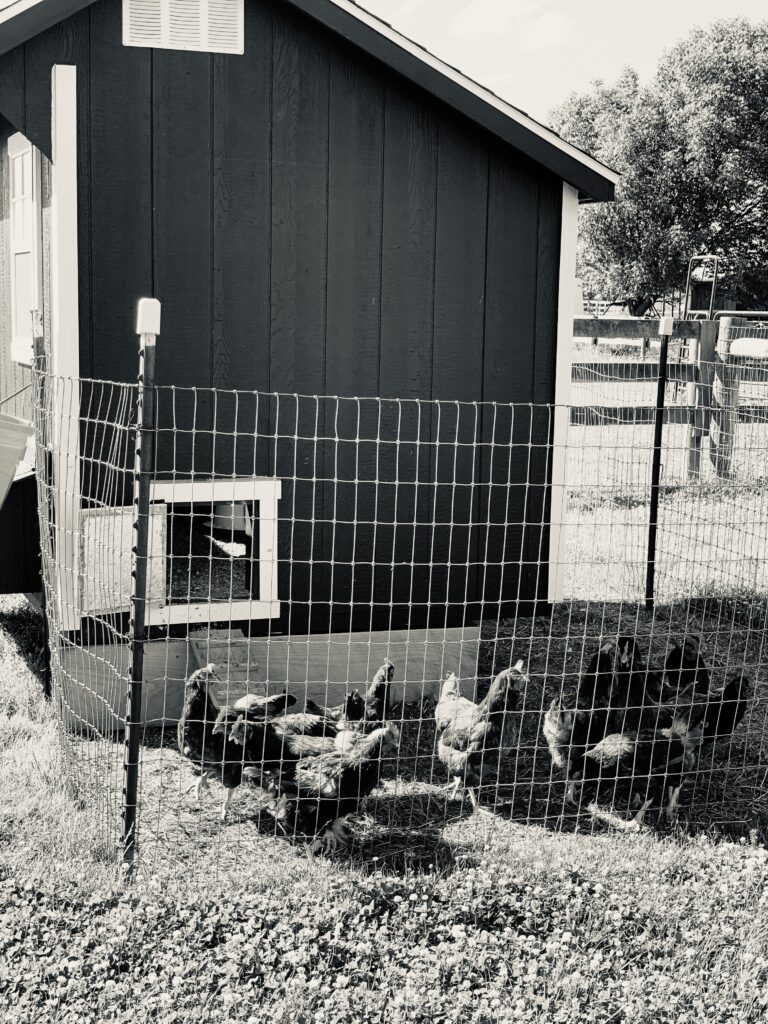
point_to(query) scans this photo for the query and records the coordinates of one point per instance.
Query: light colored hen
(474, 739)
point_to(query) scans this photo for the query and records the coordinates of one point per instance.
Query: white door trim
(26, 237)
(565, 310)
(65, 343)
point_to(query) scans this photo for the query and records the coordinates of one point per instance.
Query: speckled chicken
(474, 739)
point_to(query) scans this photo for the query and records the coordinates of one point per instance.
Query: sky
(534, 53)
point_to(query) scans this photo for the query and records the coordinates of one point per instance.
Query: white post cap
(666, 326)
(148, 317)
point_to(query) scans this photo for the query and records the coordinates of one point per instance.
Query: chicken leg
(609, 818)
(336, 837)
(227, 800)
(455, 788)
(673, 798)
(199, 786)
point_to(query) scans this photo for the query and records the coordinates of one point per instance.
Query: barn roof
(20, 20)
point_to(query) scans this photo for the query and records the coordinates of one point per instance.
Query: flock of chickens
(630, 728)
(636, 731)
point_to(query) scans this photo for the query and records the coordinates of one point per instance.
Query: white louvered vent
(211, 26)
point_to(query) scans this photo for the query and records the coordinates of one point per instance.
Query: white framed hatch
(106, 547)
(205, 495)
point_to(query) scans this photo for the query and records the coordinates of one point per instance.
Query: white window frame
(21, 341)
(264, 490)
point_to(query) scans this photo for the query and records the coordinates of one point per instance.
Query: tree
(692, 148)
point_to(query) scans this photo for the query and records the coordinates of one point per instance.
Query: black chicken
(686, 667)
(322, 790)
(636, 687)
(724, 713)
(689, 722)
(569, 731)
(202, 736)
(644, 766)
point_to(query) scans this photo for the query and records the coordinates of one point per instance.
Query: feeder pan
(14, 436)
(754, 348)
(231, 517)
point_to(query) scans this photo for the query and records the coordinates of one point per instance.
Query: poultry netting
(389, 629)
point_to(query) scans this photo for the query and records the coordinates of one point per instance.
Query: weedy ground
(519, 923)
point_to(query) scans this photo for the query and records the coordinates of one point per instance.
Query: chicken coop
(324, 209)
(350, 449)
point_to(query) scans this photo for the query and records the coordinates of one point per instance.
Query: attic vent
(211, 26)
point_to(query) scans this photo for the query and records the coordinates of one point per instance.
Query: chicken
(322, 790)
(268, 706)
(568, 731)
(724, 714)
(685, 667)
(645, 765)
(715, 715)
(473, 738)
(202, 736)
(654, 761)
(377, 694)
(351, 722)
(636, 687)
(363, 714)
(292, 736)
(281, 739)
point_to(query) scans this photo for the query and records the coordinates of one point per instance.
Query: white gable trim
(26, 18)
(566, 301)
(480, 91)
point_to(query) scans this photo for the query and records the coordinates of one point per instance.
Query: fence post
(666, 326)
(701, 354)
(725, 400)
(43, 470)
(148, 327)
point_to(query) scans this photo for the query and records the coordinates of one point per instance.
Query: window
(211, 26)
(26, 236)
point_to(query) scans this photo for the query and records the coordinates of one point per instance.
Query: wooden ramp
(94, 684)
(94, 680)
(326, 667)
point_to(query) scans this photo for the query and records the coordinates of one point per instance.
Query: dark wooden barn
(333, 212)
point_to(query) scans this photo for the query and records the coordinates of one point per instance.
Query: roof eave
(27, 18)
(594, 180)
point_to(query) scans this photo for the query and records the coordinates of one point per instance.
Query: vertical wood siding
(313, 224)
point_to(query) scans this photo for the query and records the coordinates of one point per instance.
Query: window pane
(22, 295)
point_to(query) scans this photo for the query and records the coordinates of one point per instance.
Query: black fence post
(148, 327)
(666, 326)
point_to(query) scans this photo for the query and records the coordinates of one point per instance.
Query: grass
(507, 922)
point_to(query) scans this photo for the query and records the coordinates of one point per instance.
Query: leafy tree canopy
(692, 148)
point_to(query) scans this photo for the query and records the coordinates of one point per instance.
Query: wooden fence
(708, 373)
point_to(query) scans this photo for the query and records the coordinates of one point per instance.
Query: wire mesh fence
(351, 636)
